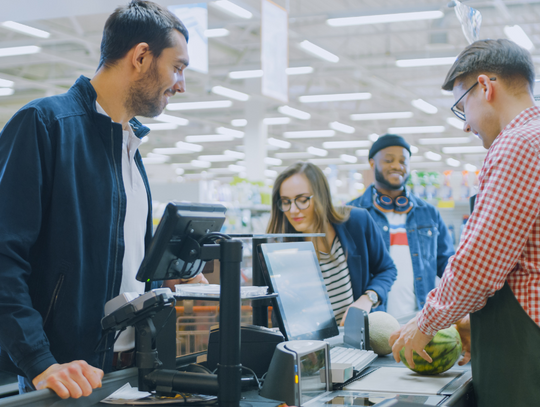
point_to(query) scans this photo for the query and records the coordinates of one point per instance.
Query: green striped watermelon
(444, 349)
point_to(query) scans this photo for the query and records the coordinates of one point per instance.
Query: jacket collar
(85, 92)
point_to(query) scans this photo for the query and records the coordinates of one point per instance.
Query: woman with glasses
(356, 266)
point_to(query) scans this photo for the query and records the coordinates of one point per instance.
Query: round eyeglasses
(456, 110)
(301, 202)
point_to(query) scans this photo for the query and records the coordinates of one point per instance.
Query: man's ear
(141, 56)
(487, 86)
(372, 163)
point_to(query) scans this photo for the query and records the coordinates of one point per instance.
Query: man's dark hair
(139, 21)
(504, 58)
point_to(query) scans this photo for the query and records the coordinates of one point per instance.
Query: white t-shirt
(134, 226)
(401, 298)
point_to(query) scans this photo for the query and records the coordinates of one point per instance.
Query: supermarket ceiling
(369, 56)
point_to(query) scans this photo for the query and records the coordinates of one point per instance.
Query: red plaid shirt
(501, 241)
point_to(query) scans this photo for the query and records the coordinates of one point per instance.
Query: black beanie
(388, 140)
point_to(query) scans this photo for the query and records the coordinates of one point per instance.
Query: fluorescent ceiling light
(189, 146)
(171, 151)
(276, 120)
(219, 170)
(362, 153)
(344, 128)
(270, 173)
(317, 151)
(217, 158)
(230, 132)
(236, 168)
(373, 137)
(455, 122)
(233, 9)
(381, 116)
(8, 52)
(416, 129)
(338, 97)
(348, 158)
(430, 155)
(309, 134)
(12, 25)
(216, 32)
(424, 106)
(444, 140)
(515, 33)
(318, 51)
(272, 161)
(238, 122)
(464, 149)
(294, 156)
(257, 73)
(325, 161)
(200, 164)
(278, 143)
(299, 70)
(346, 144)
(291, 111)
(230, 93)
(385, 18)
(408, 63)
(211, 104)
(6, 91)
(470, 167)
(179, 171)
(209, 138)
(155, 160)
(453, 162)
(236, 154)
(4, 83)
(414, 149)
(161, 126)
(167, 118)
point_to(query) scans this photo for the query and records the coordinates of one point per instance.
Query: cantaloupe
(381, 326)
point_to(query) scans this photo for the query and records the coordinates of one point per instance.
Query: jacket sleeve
(382, 270)
(25, 154)
(445, 247)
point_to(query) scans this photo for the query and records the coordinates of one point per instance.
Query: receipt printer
(257, 347)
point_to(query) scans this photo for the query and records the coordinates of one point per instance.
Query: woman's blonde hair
(324, 212)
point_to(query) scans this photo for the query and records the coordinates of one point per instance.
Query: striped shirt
(337, 279)
(501, 241)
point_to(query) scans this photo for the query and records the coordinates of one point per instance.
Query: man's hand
(198, 279)
(74, 379)
(410, 338)
(463, 326)
(363, 303)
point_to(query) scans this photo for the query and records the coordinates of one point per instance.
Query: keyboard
(359, 358)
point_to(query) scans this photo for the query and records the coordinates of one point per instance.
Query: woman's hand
(363, 303)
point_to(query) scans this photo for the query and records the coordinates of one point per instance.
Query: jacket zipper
(54, 298)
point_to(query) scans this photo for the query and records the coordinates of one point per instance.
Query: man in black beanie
(414, 232)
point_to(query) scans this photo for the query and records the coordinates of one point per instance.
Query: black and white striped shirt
(337, 279)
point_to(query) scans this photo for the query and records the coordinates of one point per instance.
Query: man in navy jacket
(65, 201)
(413, 230)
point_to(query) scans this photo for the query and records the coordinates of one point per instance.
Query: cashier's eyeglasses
(456, 110)
(301, 202)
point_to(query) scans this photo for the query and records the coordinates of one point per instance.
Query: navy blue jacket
(62, 217)
(370, 264)
(430, 242)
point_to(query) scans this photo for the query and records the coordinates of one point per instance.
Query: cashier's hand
(74, 379)
(363, 303)
(464, 328)
(410, 338)
(198, 279)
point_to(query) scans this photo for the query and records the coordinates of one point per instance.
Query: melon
(444, 349)
(381, 326)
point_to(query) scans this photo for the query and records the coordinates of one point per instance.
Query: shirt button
(419, 278)
(429, 233)
(415, 254)
(385, 228)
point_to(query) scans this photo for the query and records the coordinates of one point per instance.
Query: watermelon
(444, 349)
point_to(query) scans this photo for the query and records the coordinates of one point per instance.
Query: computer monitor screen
(303, 309)
(181, 224)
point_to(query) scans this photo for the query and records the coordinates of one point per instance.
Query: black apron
(505, 350)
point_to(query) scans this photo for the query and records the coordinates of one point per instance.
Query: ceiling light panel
(384, 18)
(515, 33)
(12, 51)
(257, 73)
(424, 106)
(344, 128)
(338, 97)
(216, 32)
(230, 93)
(430, 155)
(346, 144)
(273, 161)
(25, 29)
(189, 146)
(6, 91)
(348, 158)
(317, 151)
(230, 132)
(309, 134)
(294, 156)
(416, 130)
(299, 70)
(278, 143)
(167, 118)
(270, 121)
(210, 138)
(233, 9)
(444, 140)
(319, 52)
(160, 126)
(381, 116)
(217, 158)
(409, 63)
(238, 122)
(213, 104)
(4, 83)
(464, 150)
(296, 113)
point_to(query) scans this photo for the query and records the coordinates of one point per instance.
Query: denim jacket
(429, 241)
(61, 230)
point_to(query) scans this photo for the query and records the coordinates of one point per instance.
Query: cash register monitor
(302, 308)
(171, 255)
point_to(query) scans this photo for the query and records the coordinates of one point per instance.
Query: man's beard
(379, 177)
(145, 96)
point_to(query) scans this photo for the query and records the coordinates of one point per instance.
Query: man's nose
(466, 127)
(180, 85)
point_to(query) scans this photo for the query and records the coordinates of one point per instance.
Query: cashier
(495, 273)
